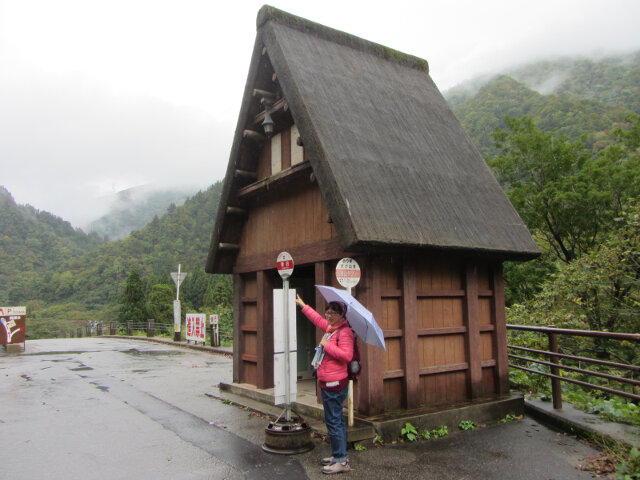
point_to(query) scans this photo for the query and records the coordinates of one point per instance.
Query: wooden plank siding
(438, 318)
(295, 217)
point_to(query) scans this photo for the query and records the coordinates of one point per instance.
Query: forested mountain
(571, 97)
(96, 279)
(34, 242)
(133, 208)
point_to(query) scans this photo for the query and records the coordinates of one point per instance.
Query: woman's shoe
(337, 468)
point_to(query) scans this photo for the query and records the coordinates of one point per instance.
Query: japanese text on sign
(196, 327)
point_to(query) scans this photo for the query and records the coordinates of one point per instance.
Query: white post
(178, 284)
(287, 359)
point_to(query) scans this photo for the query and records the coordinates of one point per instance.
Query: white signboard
(13, 310)
(285, 265)
(176, 316)
(213, 319)
(348, 273)
(279, 387)
(196, 327)
(279, 361)
(178, 277)
(278, 321)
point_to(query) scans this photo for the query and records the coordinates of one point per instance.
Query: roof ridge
(268, 13)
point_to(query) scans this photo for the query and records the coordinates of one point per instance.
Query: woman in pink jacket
(331, 362)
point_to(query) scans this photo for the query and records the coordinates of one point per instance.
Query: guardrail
(150, 328)
(555, 366)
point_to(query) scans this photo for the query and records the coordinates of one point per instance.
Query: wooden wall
(443, 321)
(283, 220)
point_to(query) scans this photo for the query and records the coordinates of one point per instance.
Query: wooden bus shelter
(366, 160)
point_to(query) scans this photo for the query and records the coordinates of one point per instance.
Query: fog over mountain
(99, 97)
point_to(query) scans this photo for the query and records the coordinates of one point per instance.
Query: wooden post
(264, 293)
(556, 387)
(129, 328)
(500, 331)
(471, 309)
(371, 382)
(79, 332)
(100, 329)
(238, 291)
(410, 335)
(151, 332)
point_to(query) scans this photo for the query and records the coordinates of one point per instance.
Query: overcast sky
(101, 95)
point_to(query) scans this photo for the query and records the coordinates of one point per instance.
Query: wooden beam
(410, 338)
(241, 212)
(253, 135)
(238, 311)
(275, 108)
(500, 332)
(264, 94)
(279, 179)
(473, 341)
(228, 246)
(249, 175)
(265, 329)
(315, 252)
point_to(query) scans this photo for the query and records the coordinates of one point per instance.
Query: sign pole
(287, 363)
(348, 275)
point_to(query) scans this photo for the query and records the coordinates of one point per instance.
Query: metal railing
(150, 328)
(555, 366)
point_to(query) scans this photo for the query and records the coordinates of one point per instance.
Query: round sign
(348, 272)
(285, 265)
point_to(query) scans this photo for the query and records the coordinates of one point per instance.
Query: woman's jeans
(333, 403)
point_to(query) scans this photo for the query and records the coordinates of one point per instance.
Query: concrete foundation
(388, 426)
(14, 348)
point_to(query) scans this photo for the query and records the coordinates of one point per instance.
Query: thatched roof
(394, 165)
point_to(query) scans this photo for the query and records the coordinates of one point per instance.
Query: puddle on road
(27, 378)
(80, 369)
(152, 353)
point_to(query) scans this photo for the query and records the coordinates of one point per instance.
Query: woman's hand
(299, 301)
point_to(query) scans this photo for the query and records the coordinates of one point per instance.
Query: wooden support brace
(253, 135)
(241, 212)
(228, 246)
(246, 174)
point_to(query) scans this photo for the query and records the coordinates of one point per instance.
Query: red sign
(285, 264)
(12, 329)
(348, 272)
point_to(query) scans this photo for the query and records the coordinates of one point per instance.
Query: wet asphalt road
(98, 408)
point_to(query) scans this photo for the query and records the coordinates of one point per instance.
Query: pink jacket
(337, 354)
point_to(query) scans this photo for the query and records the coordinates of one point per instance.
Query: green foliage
(132, 303)
(409, 432)
(55, 321)
(629, 470)
(616, 409)
(509, 417)
(360, 448)
(467, 425)
(160, 303)
(440, 432)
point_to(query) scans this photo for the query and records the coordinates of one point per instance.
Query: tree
(160, 303)
(544, 179)
(132, 303)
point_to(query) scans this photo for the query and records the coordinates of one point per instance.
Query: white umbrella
(360, 319)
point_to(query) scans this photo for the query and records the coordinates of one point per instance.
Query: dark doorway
(302, 281)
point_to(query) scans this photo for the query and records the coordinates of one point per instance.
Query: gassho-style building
(346, 148)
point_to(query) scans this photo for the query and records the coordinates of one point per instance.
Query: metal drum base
(287, 438)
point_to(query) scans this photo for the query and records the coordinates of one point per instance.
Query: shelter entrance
(303, 282)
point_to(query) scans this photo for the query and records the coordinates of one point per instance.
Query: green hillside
(97, 278)
(572, 116)
(33, 243)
